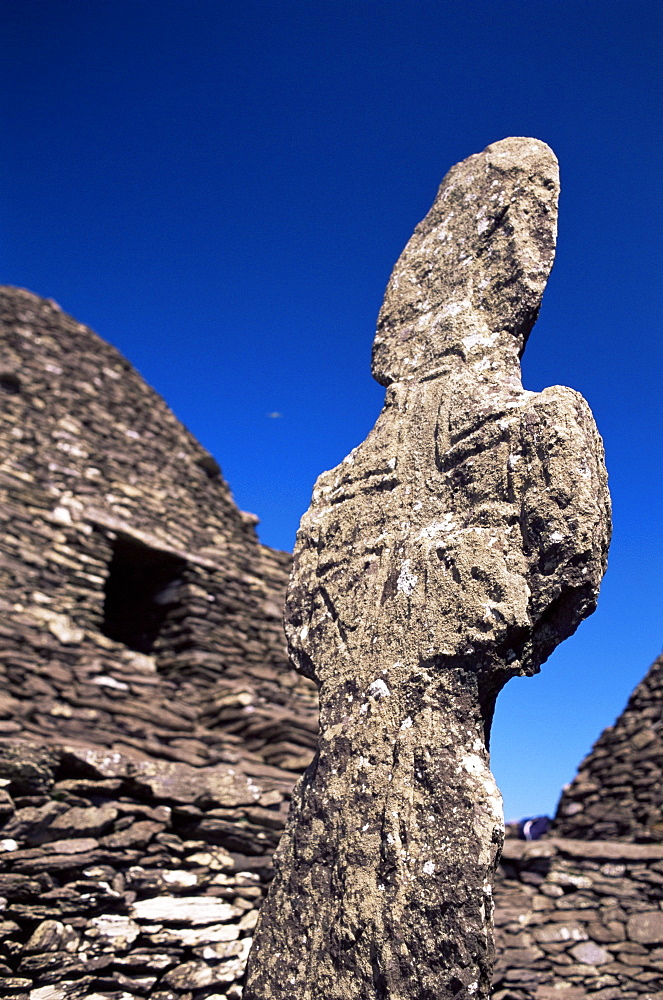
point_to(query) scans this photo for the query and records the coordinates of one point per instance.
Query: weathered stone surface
(583, 930)
(453, 549)
(564, 992)
(196, 975)
(19, 886)
(196, 937)
(558, 932)
(603, 849)
(590, 953)
(100, 763)
(34, 821)
(52, 935)
(647, 928)
(85, 822)
(181, 783)
(116, 929)
(29, 770)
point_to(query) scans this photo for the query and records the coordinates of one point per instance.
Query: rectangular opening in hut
(142, 586)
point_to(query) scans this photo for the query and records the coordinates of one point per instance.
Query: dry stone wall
(135, 596)
(579, 919)
(129, 879)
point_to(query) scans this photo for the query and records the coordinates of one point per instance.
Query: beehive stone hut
(579, 913)
(150, 726)
(618, 792)
(151, 729)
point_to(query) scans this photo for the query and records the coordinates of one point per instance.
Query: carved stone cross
(453, 549)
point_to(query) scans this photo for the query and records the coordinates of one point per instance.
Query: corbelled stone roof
(618, 791)
(139, 607)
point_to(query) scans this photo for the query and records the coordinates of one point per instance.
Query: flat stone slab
(191, 910)
(609, 850)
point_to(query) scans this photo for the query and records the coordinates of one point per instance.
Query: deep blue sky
(220, 189)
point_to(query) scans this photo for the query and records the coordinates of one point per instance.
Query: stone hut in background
(151, 729)
(618, 792)
(150, 726)
(579, 913)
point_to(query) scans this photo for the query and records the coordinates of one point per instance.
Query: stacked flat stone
(618, 791)
(126, 877)
(579, 919)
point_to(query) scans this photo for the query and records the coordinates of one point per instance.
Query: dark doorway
(142, 587)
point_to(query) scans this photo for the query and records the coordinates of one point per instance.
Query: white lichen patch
(483, 365)
(455, 308)
(479, 340)
(473, 764)
(378, 689)
(407, 580)
(505, 422)
(429, 868)
(446, 523)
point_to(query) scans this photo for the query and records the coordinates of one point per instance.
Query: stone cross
(453, 549)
